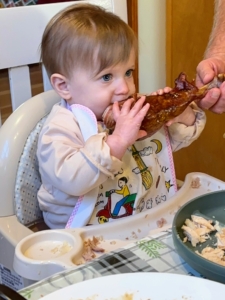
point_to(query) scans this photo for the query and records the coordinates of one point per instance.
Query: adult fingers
(219, 106)
(210, 99)
(205, 73)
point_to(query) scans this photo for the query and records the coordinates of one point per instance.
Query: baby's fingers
(137, 106)
(115, 110)
(142, 113)
(145, 109)
(121, 110)
(126, 107)
(167, 89)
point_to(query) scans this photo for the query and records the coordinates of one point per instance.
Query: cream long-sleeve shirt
(70, 167)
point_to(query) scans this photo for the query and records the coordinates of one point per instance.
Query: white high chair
(21, 30)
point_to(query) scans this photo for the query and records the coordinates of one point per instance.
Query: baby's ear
(60, 85)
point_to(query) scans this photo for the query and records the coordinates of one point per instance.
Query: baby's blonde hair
(86, 36)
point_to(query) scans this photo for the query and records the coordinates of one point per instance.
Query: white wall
(152, 45)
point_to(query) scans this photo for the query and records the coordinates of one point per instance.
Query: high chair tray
(45, 253)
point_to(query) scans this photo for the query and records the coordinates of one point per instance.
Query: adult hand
(206, 71)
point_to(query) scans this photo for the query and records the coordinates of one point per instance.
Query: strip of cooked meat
(167, 106)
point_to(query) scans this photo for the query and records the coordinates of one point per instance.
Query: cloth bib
(146, 180)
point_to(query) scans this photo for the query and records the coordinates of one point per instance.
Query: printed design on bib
(141, 168)
(149, 203)
(141, 205)
(147, 178)
(127, 202)
(158, 144)
(168, 185)
(145, 181)
(164, 170)
(119, 173)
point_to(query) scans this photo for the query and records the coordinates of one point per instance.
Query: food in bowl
(197, 230)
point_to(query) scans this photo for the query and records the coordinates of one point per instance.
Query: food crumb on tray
(161, 222)
(195, 184)
(91, 247)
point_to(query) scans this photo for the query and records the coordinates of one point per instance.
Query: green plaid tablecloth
(151, 254)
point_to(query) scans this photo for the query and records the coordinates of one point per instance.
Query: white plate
(142, 286)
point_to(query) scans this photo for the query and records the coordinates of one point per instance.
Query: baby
(89, 176)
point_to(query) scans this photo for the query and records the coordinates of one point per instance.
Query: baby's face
(99, 91)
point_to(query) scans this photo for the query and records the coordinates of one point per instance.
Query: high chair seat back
(28, 180)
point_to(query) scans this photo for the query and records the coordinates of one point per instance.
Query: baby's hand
(128, 122)
(162, 91)
(187, 117)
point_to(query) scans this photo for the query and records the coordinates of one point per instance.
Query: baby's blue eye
(107, 77)
(129, 73)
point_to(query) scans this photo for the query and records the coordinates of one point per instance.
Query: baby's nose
(122, 88)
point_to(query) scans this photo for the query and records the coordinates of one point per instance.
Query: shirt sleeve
(181, 135)
(69, 163)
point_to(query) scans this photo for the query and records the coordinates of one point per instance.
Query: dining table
(153, 253)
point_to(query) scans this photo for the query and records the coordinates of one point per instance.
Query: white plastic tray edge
(114, 235)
